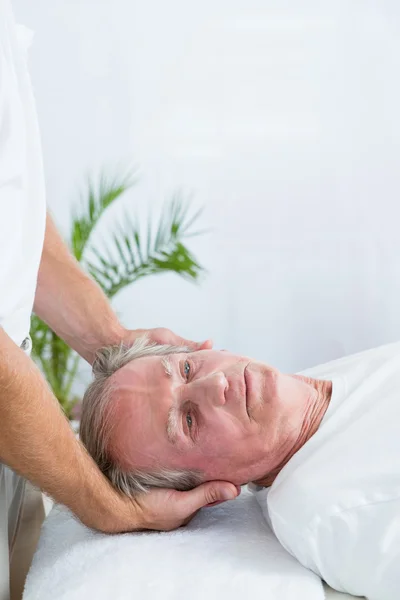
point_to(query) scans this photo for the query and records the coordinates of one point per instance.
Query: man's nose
(212, 389)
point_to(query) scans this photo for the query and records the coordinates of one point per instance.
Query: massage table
(226, 551)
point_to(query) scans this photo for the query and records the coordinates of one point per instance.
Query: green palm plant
(127, 256)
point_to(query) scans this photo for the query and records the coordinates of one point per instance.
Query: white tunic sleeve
(22, 197)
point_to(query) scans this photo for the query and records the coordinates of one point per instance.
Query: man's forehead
(135, 386)
(140, 369)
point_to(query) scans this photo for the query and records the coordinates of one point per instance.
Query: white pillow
(227, 551)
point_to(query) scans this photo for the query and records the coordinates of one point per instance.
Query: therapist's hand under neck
(164, 509)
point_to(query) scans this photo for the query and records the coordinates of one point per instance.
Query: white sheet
(334, 595)
(226, 551)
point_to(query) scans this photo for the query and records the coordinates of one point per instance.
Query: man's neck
(321, 395)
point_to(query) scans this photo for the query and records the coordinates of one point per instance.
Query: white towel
(227, 551)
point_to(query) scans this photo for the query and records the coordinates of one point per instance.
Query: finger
(205, 494)
(207, 345)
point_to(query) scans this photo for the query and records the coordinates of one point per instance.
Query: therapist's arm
(70, 302)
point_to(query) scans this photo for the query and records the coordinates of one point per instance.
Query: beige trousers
(21, 517)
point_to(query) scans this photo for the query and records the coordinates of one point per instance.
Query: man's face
(232, 418)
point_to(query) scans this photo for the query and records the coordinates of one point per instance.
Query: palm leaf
(98, 200)
(131, 257)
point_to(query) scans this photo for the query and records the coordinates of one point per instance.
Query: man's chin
(268, 479)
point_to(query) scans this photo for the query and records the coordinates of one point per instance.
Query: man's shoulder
(339, 535)
(357, 548)
(324, 370)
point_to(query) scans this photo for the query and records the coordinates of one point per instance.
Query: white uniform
(22, 197)
(336, 505)
(22, 225)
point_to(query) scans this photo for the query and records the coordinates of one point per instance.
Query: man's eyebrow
(166, 363)
(172, 427)
(172, 424)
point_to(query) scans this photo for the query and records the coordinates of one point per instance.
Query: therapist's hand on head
(161, 335)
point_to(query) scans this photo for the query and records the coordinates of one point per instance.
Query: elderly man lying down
(327, 441)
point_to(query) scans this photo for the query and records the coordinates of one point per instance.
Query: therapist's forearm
(70, 302)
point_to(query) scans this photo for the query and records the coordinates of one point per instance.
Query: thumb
(208, 494)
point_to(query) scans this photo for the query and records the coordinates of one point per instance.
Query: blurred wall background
(281, 117)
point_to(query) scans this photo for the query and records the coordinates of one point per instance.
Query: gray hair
(97, 424)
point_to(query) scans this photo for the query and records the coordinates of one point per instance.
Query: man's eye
(186, 369)
(189, 420)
